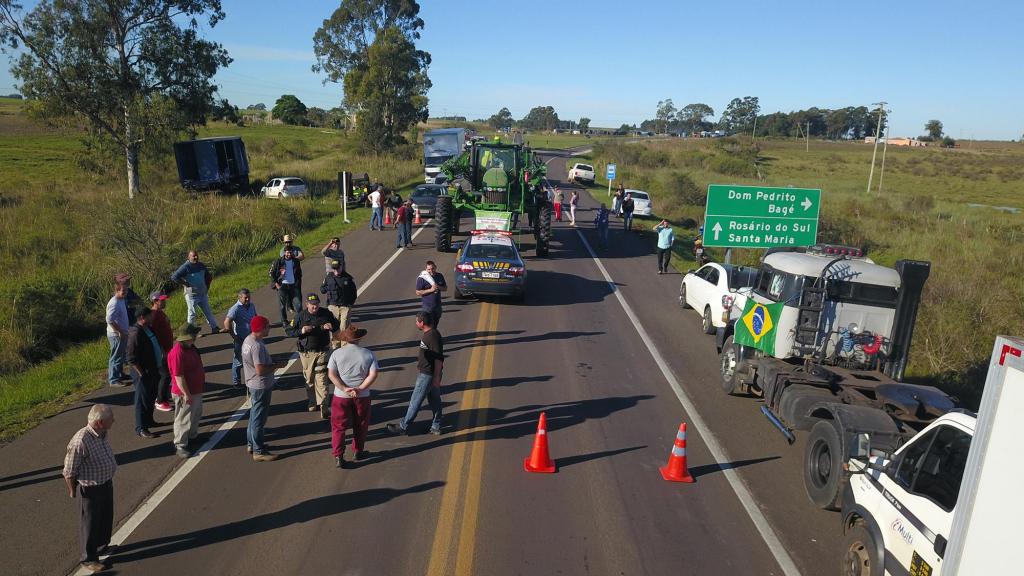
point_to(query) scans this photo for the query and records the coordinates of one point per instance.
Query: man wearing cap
(258, 367)
(195, 278)
(117, 336)
(286, 278)
(313, 326)
(236, 323)
(161, 326)
(352, 370)
(146, 358)
(375, 202)
(429, 285)
(89, 468)
(428, 379)
(286, 242)
(340, 289)
(401, 218)
(409, 214)
(188, 380)
(332, 251)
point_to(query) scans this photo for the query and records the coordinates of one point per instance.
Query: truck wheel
(682, 296)
(443, 225)
(544, 231)
(861, 557)
(706, 323)
(823, 461)
(730, 363)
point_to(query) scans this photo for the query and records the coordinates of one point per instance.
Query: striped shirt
(89, 459)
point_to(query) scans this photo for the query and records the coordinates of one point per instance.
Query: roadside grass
(923, 212)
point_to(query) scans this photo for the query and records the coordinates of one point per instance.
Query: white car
(642, 204)
(288, 187)
(581, 172)
(713, 290)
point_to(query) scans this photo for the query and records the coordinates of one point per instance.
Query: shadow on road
(698, 471)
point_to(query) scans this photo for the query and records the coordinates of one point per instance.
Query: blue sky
(612, 61)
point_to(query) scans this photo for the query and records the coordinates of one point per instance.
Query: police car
(488, 264)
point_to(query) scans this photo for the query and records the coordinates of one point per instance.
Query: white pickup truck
(947, 501)
(581, 173)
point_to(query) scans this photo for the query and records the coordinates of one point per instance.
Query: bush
(732, 166)
(679, 185)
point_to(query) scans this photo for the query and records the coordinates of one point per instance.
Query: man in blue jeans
(236, 323)
(258, 367)
(428, 381)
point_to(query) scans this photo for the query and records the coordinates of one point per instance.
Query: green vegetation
(923, 212)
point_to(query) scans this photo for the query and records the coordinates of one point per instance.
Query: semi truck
(944, 502)
(213, 164)
(440, 146)
(824, 337)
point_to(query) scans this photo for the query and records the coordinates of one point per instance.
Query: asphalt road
(459, 503)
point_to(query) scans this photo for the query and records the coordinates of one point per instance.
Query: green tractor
(505, 181)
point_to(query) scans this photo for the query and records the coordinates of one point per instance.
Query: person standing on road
(557, 199)
(601, 223)
(313, 327)
(146, 357)
(286, 278)
(258, 367)
(340, 289)
(188, 381)
(352, 370)
(195, 278)
(430, 366)
(401, 218)
(89, 468)
(574, 200)
(333, 251)
(665, 239)
(132, 301)
(286, 243)
(620, 195)
(236, 322)
(699, 255)
(409, 215)
(375, 204)
(429, 285)
(161, 326)
(117, 335)
(627, 212)
(394, 201)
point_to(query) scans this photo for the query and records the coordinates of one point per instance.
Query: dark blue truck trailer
(213, 164)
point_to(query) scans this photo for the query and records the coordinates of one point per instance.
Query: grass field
(935, 204)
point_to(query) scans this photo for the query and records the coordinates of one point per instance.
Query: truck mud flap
(799, 402)
(885, 433)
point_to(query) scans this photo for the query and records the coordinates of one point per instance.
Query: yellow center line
(470, 509)
(439, 551)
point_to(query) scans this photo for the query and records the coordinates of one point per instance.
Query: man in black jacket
(146, 358)
(286, 278)
(314, 326)
(340, 288)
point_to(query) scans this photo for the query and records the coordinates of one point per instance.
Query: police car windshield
(490, 250)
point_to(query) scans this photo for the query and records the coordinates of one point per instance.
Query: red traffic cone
(387, 217)
(418, 220)
(539, 460)
(675, 470)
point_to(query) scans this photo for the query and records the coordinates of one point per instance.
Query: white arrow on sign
(717, 229)
(806, 203)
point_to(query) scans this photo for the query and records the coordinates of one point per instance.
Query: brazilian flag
(756, 326)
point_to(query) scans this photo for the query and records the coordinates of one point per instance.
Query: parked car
(581, 173)
(425, 198)
(642, 205)
(714, 289)
(288, 187)
(489, 264)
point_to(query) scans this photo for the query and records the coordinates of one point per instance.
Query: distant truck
(213, 164)
(439, 146)
(946, 502)
(824, 337)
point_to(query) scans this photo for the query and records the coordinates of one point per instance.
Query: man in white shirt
(376, 197)
(117, 336)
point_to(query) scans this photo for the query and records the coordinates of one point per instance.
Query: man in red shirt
(161, 326)
(188, 379)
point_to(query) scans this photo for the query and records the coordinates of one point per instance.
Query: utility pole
(881, 175)
(753, 133)
(878, 131)
(808, 137)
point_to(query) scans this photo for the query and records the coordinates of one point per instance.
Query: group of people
(557, 198)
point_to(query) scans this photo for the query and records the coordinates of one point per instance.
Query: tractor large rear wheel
(443, 224)
(543, 230)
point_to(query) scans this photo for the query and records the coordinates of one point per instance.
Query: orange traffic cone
(387, 217)
(675, 470)
(539, 460)
(418, 220)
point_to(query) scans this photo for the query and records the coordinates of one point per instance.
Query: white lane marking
(390, 260)
(742, 493)
(165, 489)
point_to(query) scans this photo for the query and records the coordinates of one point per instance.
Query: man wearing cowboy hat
(313, 326)
(286, 242)
(188, 380)
(352, 369)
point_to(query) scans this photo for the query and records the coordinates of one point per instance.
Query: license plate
(490, 275)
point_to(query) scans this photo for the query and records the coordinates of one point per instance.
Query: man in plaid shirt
(89, 471)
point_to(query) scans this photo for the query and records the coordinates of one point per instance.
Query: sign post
(758, 217)
(610, 175)
(344, 186)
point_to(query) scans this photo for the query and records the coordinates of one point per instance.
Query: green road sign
(758, 217)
